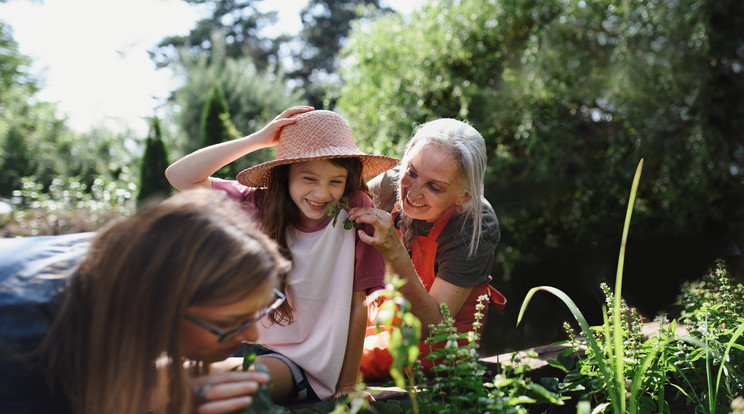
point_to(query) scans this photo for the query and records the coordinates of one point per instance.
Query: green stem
(412, 392)
(616, 325)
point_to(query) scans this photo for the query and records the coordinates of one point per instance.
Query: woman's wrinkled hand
(225, 392)
(384, 236)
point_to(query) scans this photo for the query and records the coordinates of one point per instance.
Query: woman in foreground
(108, 322)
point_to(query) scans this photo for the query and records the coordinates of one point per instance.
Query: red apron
(376, 360)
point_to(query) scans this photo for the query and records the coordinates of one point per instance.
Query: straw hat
(316, 135)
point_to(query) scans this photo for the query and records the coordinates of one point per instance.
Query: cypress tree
(215, 125)
(153, 184)
(14, 161)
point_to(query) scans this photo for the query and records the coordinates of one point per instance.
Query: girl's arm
(194, 170)
(355, 341)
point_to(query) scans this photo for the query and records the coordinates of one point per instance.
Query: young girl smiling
(317, 336)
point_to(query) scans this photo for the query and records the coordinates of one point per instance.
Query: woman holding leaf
(435, 230)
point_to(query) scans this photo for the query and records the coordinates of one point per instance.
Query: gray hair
(468, 147)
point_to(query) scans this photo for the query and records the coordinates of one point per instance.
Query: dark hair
(125, 302)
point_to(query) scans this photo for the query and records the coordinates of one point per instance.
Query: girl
(317, 337)
(85, 319)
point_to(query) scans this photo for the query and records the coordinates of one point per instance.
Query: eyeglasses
(224, 335)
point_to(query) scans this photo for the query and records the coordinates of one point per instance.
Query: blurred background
(98, 97)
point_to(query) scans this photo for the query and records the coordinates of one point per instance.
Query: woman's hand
(225, 392)
(384, 237)
(269, 135)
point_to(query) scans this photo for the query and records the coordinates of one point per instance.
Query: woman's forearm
(423, 305)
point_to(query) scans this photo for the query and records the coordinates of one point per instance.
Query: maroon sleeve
(249, 197)
(369, 266)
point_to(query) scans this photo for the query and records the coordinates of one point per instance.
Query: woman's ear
(464, 198)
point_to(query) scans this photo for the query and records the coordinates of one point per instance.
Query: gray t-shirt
(452, 262)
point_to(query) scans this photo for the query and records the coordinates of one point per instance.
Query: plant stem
(616, 325)
(412, 392)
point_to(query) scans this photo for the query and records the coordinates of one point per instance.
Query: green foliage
(216, 127)
(153, 184)
(237, 23)
(700, 370)
(14, 78)
(325, 25)
(35, 142)
(458, 382)
(57, 181)
(645, 369)
(608, 352)
(620, 367)
(395, 312)
(16, 161)
(335, 209)
(459, 385)
(253, 98)
(712, 312)
(213, 129)
(67, 206)
(567, 94)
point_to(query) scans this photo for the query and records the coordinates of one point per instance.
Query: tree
(253, 98)
(238, 23)
(325, 25)
(216, 126)
(15, 83)
(234, 30)
(214, 129)
(14, 76)
(14, 162)
(569, 95)
(153, 184)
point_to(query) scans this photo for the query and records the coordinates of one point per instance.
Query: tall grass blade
(616, 325)
(615, 379)
(586, 331)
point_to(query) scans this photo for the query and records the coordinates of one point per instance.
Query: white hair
(468, 147)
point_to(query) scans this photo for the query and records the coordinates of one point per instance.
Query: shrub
(68, 206)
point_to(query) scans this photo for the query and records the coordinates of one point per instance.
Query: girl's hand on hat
(269, 135)
(225, 392)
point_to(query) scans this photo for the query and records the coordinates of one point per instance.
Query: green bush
(568, 95)
(68, 206)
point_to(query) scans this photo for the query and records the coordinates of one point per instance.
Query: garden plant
(619, 370)
(691, 364)
(458, 384)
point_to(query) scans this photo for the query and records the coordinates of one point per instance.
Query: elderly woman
(435, 230)
(103, 323)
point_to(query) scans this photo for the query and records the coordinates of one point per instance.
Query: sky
(92, 54)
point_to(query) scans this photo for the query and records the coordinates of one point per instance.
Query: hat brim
(372, 165)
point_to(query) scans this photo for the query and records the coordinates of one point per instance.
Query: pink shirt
(369, 266)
